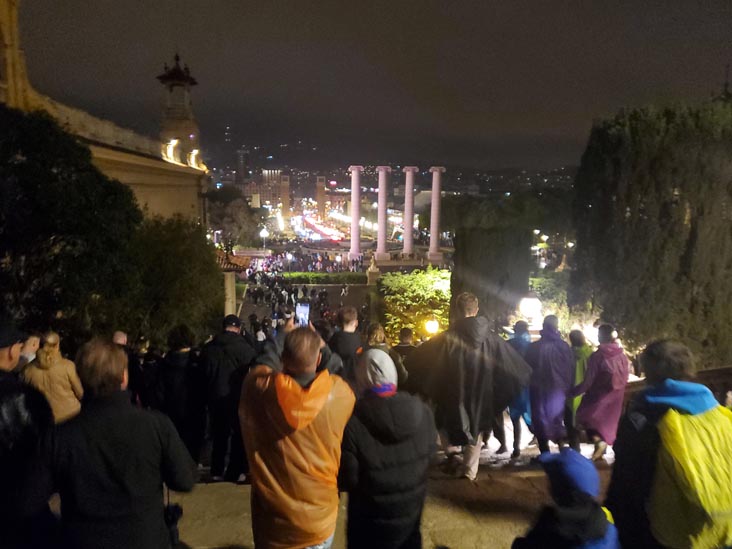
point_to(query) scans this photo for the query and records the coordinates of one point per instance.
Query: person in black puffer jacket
(386, 451)
(181, 389)
(226, 361)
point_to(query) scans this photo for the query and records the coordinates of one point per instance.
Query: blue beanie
(569, 470)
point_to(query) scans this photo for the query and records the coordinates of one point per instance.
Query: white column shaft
(408, 214)
(381, 253)
(355, 251)
(434, 251)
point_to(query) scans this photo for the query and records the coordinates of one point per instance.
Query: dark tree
(174, 280)
(229, 213)
(493, 240)
(494, 264)
(64, 226)
(75, 253)
(653, 216)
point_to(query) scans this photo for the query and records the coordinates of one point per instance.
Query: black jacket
(470, 374)
(387, 447)
(109, 464)
(581, 524)
(226, 360)
(636, 452)
(25, 418)
(181, 389)
(346, 346)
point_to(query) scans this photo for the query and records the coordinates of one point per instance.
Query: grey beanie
(375, 371)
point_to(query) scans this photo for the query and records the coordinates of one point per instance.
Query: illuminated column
(355, 252)
(434, 254)
(381, 253)
(408, 214)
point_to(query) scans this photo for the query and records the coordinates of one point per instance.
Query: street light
(264, 233)
(530, 309)
(432, 326)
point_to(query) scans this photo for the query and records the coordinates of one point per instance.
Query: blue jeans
(327, 544)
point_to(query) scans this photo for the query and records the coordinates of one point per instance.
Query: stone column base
(229, 294)
(434, 257)
(382, 256)
(372, 276)
(353, 256)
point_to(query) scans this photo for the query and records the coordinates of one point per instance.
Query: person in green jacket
(582, 351)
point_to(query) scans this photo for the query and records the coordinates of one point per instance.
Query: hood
(583, 352)
(45, 359)
(392, 419)
(227, 338)
(300, 406)
(682, 396)
(474, 330)
(376, 372)
(551, 334)
(610, 350)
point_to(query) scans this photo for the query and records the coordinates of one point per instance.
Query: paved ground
(459, 514)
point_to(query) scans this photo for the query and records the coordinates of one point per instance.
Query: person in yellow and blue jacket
(577, 521)
(672, 478)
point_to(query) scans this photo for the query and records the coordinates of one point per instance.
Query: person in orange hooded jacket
(293, 422)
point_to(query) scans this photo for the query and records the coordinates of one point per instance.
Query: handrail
(719, 381)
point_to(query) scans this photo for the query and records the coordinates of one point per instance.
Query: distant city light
(544, 237)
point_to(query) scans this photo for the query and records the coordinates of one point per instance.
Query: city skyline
(489, 86)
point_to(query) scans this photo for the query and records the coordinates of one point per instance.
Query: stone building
(166, 175)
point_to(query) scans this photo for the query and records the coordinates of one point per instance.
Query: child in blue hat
(577, 520)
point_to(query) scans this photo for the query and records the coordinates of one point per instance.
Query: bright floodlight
(264, 233)
(288, 256)
(544, 237)
(339, 259)
(530, 308)
(537, 232)
(432, 326)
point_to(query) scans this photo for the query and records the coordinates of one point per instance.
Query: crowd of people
(310, 412)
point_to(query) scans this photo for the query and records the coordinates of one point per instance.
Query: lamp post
(264, 233)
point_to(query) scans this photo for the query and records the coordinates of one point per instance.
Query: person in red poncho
(603, 389)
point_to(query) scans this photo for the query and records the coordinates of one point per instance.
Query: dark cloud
(484, 83)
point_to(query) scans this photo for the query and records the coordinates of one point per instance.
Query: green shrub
(325, 278)
(411, 299)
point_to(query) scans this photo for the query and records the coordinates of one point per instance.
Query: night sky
(484, 84)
